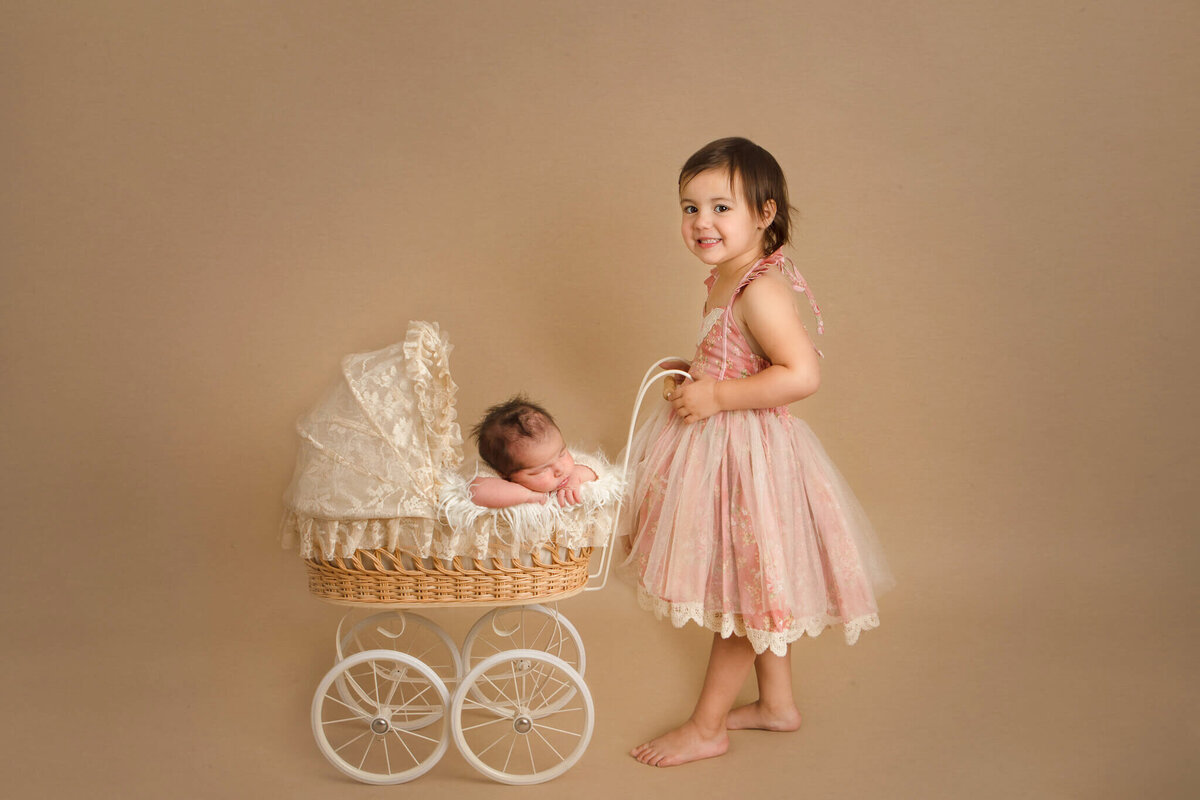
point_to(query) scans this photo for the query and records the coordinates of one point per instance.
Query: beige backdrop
(208, 204)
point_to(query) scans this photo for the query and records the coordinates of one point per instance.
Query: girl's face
(545, 464)
(719, 227)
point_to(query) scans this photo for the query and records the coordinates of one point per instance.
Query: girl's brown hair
(761, 177)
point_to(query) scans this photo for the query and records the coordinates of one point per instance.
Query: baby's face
(543, 464)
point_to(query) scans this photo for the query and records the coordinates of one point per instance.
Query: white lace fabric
(519, 529)
(378, 468)
(728, 625)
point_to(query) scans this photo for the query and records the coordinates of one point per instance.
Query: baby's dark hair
(761, 176)
(507, 423)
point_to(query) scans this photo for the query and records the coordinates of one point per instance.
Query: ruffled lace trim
(335, 538)
(733, 624)
(427, 364)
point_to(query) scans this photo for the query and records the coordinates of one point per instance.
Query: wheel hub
(523, 724)
(380, 725)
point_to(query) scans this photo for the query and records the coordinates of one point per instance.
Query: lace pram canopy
(379, 467)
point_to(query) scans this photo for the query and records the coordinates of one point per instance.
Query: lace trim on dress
(707, 323)
(733, 624)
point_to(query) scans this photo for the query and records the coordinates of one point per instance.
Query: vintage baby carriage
(384, 521)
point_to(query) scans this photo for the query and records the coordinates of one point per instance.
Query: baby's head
(754, 176)
(520, 440)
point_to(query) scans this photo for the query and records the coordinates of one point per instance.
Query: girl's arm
(768, 308)
(499, 493)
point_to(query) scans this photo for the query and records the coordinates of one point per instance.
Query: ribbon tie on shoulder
(785, 265)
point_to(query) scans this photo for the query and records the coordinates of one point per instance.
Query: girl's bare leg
(703, 734)
(775, 709)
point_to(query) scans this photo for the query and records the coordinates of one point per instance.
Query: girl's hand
(696, 400)
(671, 382)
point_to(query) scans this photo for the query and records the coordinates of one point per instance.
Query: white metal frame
(652, 376)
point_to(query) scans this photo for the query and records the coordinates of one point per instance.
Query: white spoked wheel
(532, 735)
(530, 627)
(393, 728)
(405, 632)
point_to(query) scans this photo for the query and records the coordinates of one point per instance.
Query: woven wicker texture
(398, 578)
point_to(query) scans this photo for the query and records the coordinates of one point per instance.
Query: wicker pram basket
(382, 525)
(382, 516)
(389, 577)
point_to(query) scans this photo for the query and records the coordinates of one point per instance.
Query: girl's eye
(721, 208)
(689, 209)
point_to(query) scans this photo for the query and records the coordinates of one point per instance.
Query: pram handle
(649, 379)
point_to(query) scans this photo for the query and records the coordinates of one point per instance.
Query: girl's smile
(718, 226)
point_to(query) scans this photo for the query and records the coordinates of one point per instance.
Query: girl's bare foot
(755, 715)
(685, 743)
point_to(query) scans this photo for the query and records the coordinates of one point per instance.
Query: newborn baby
(521, 442)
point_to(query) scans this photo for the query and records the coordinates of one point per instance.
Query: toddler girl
(521, 442)
(739, 520)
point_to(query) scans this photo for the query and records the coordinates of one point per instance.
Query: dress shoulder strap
(758, 269)
(778, 260)
(788, 269)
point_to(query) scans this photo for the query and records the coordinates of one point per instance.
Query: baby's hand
(570, 494)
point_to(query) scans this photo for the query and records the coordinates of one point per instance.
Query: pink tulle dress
(740, 522)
